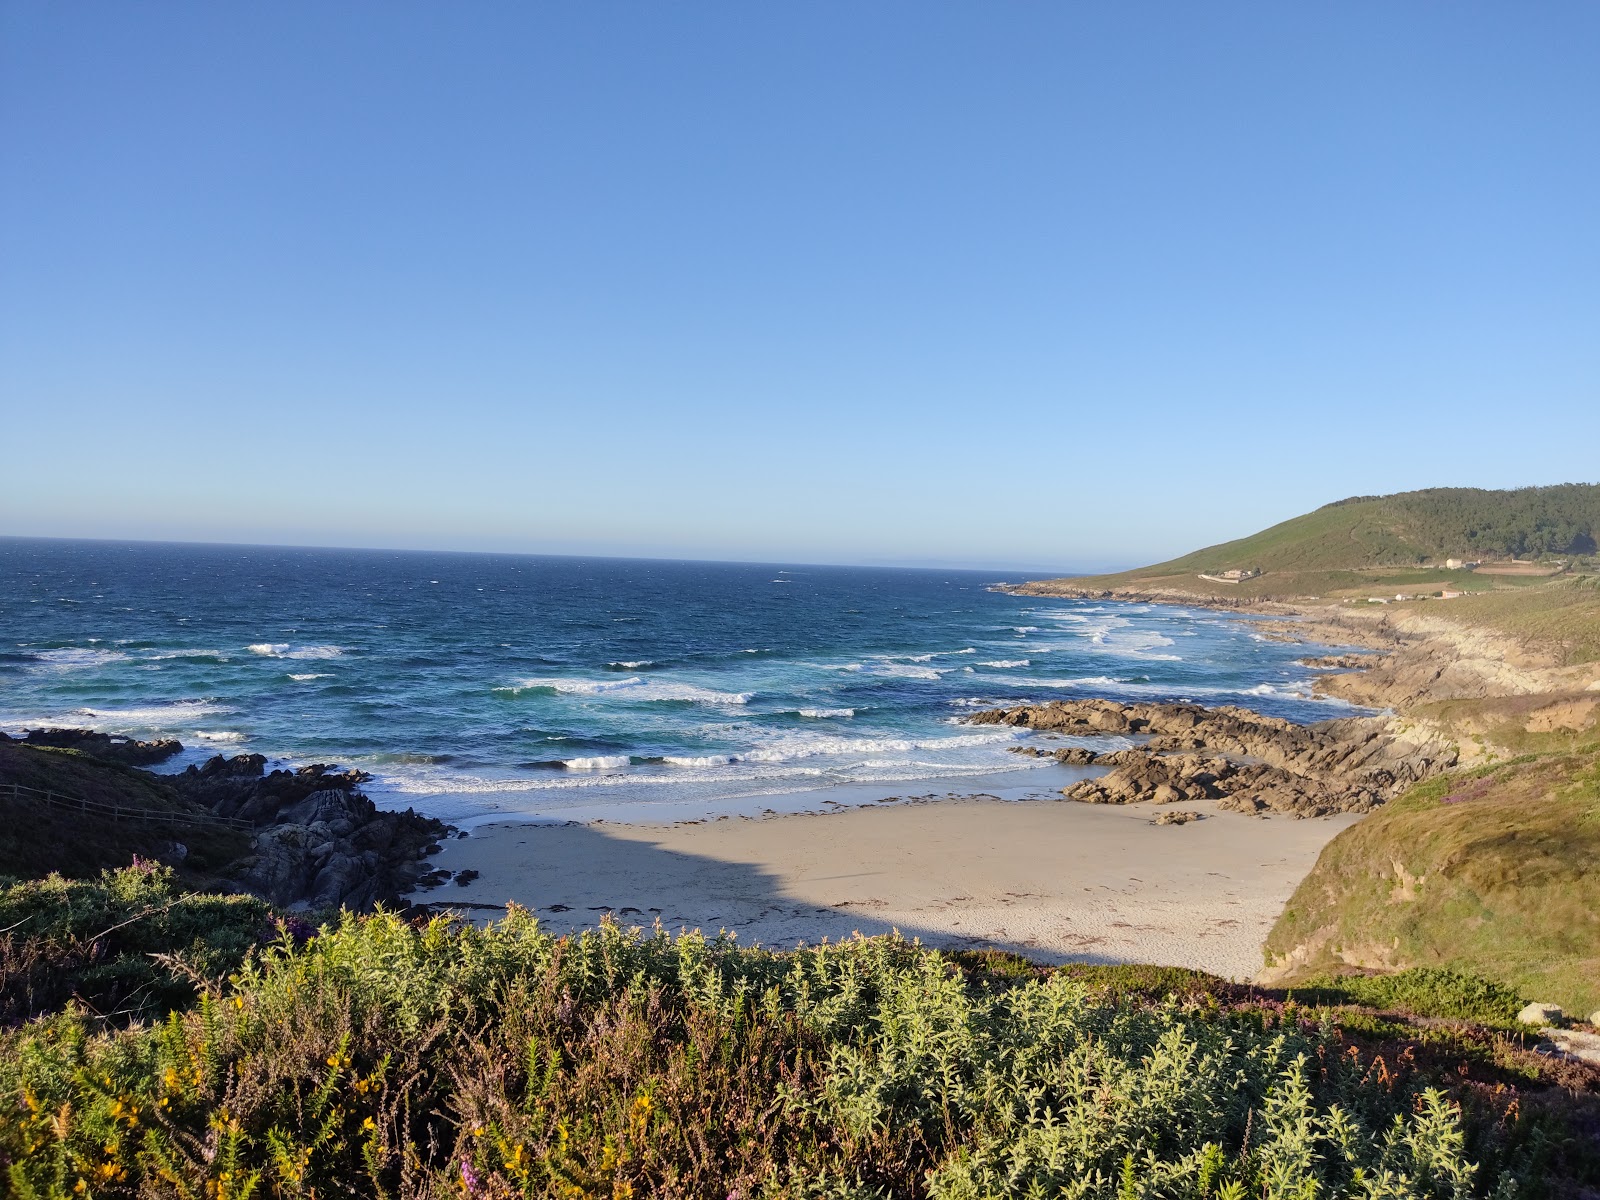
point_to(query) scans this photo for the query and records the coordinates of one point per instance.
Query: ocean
(472, 686)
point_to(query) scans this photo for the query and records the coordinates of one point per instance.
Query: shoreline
(1053, 880)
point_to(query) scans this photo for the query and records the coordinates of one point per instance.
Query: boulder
(1540, 1014)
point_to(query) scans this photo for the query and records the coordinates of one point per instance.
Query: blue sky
(1013, 284)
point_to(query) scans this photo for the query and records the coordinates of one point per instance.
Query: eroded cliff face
(1249, 762)
(1426, 657)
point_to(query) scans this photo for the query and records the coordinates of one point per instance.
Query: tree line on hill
(1518, 523)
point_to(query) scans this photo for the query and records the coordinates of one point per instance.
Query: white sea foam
(153, 716)
(706, 760)
(886, 667)
(635, 665)
(288, 650)
(70, 657)
(1284, 691)
(1007, 662)
(633, 689)
(784, 749)
(601, 762)
(826, 712)
(1021, 629)
(218, 735)
(310, 676)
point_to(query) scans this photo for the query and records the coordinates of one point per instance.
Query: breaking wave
(632, 689)
(289, 650)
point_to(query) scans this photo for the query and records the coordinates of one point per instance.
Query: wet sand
(1054, 880)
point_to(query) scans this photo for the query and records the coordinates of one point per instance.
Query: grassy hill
(1398, 542)
(1490, 871)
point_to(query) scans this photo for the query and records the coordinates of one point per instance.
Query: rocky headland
(1242, 759)
(319, 841)
(314, 839)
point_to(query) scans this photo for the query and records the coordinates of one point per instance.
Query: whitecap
(633, 689)
(219, 735)
(70, 657)
(785, 749)
(153, 716)
(287, 650)
(600, 762)
(707, 760)
(310, 676)
(1007, 662)
(826, 712)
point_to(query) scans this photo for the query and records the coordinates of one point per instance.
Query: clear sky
(1017, 283)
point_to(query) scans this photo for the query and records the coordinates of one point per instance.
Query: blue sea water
(479, 684)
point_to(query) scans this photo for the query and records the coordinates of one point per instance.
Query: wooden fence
(118, 812)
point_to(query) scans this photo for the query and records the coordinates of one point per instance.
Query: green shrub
(381, 1059)
(1420, 992)
(125, 945)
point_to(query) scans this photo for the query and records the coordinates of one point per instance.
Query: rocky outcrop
(1425, 656)
(320, 843)
(1341, 662)
(1247, 761)
(130, 752)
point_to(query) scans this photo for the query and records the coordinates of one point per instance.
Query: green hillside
(1489, 871)
(1399, 541)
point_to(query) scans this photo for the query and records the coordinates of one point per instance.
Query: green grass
(381, 1059)
(36, 839)
(1561, 619)
(1499, 881)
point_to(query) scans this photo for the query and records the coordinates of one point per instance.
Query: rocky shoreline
(316, 841)
(1399, 661)
(320, 842)
(1245, 761)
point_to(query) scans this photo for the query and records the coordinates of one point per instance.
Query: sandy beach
(1054, 880)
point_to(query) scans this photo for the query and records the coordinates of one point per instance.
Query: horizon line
(915, 565)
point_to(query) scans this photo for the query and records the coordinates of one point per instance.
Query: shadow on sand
(574, 876)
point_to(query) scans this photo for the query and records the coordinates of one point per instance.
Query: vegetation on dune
(1490, 871)
(383, 1059)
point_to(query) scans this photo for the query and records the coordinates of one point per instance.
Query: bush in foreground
(384, 1060)
(125, 945)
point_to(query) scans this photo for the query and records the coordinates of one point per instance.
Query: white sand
(1053, 880)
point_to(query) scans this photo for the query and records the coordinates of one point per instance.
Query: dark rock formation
(320, 842)
(1247, 761)
(130, 752)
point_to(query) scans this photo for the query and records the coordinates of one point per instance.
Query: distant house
(1237, 575)
(1453, 564)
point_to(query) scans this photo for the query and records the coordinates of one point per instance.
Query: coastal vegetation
(1386, 544)
(38, 836)
(381, 1057)
(1490, 871)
